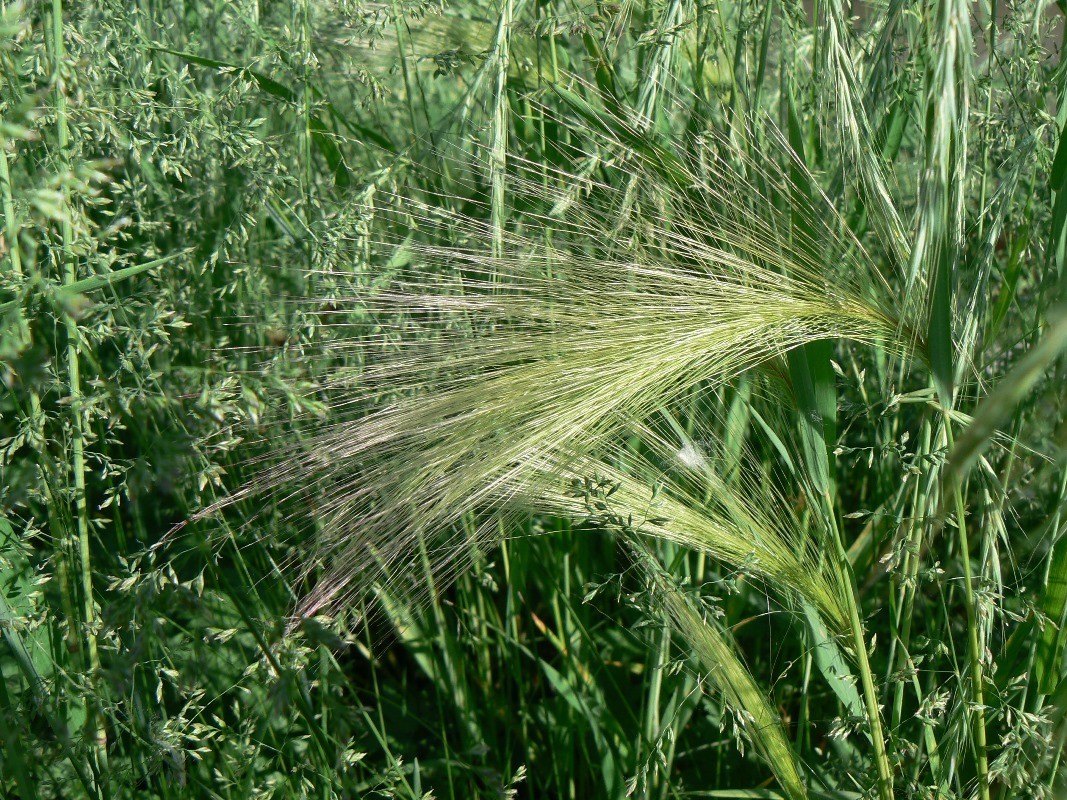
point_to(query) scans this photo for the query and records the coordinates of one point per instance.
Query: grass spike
(492, 391)
(728, 673)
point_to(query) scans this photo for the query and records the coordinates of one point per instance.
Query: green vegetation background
(194, 193)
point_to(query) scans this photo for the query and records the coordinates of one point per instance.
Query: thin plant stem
(88, 608)
(498, 154)
(870, 693)
(10, 224)
(975, 653)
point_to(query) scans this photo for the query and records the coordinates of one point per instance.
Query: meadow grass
(532, 399)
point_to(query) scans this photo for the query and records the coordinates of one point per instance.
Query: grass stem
(88, 620)
(974, 649)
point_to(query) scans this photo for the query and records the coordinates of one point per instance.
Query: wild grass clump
(543, 400)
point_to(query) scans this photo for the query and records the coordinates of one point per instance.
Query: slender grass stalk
(923, 501)
(304, 26)
(991, 55)
(88, 616)
(11, 227)
(906, 598)
(975, 654)
(870, 690)
(653, 723)
(499, 127)
(406, 69)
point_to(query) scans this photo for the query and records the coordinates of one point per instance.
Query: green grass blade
(1048, 660)
(729, 674)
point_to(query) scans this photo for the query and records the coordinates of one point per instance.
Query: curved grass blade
(713, 647)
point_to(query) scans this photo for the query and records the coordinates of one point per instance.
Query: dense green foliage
(532, 399)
